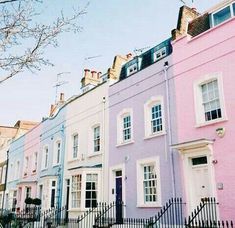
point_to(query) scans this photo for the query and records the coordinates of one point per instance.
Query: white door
(200, 180)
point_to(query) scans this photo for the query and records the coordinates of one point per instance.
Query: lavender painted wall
(133, 93)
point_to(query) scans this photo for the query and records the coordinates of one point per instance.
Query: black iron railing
(206, 211)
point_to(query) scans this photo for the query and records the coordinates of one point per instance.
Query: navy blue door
(118, 198)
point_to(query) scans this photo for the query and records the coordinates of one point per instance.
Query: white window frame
(140, 179)
(94, 139)
(55, 154)
(231, 11)
(83, 188)
(91, 190)
(44, 165)
(158, 100)
(73, 146)
(160, 51)
(17, 174)
(133, 68)
(75, 191)
(198, 101)
(55, 188)
(121, 115)
(35, 162)
(26, 165)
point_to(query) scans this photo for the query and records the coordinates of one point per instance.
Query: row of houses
(155, 126)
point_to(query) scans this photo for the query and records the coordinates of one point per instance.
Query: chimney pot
(129, 55)
(93, 74)
(99, 74)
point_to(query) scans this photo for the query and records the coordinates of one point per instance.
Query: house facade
(141, 170)
(12, 159)
(27, 184)
(51, 157)
(14, 172)
(86, 135)
(205, 103)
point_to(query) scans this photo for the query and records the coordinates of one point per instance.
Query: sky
(110, 27)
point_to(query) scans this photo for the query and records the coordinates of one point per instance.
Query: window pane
(76, 191)
(222, 15)
(96, 139)
(211, 102)
(91, 190)
(126, 128)
(233, 8)
(156, 122)
(150, 183)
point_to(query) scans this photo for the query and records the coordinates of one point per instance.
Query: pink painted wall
(212, 51)
(31, 145)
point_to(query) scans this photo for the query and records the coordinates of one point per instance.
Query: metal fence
(110, 215)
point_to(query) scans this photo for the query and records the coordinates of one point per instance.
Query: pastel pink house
(204, 76)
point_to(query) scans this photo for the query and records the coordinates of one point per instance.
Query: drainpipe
(103, 153)
(169, 127)
(3, 197)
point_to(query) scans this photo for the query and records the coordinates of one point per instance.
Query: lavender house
(141, 170)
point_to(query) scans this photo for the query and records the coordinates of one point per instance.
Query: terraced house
(7, 135)
(86, 130)
(141, 171)
(156, 126)
(203, 72)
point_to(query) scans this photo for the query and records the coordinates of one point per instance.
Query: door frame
(193, 149)
(112, 183)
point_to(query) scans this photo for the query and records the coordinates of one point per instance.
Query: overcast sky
(110, 27)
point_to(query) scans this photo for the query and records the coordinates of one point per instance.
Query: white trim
(154, 100)
(133, 67)
(58, 140)
(91, 151)
(230, 4)
(112, 183)
(122, 114)
(139, 171)
(70, 147)
(198, 103)
(187, 153)
(83, 173)
(160, 51)
(43, 167)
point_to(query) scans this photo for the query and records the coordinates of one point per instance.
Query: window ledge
(44, 169)
(211, 122)
(76, 210)
(55, 165)
(155, 135)
(94, 154)
(125, 143)
(72, 160)
(149, 205)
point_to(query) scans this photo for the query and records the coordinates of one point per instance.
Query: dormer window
(159, 54)
(132, 69)
(223, 14)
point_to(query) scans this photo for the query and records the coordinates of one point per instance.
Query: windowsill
(149, 205)
(55, 165)
(211, 122)
(71, 160)
(44, 169)
(155, 135)
(76, 210)
(125, 143)
(94, 154)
